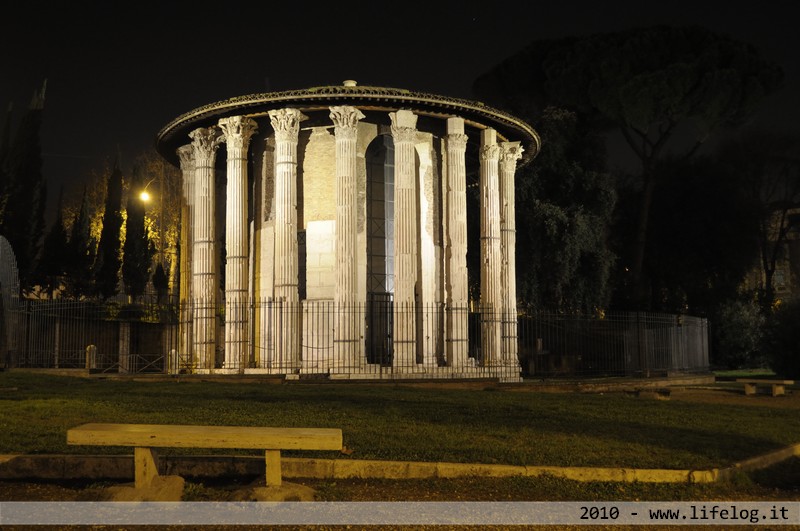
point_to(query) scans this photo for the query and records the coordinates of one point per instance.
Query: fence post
(91, 357)
(124, 346)
(56, 341)
(643, 365)
(173, 362)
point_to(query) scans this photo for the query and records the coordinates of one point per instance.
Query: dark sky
(117, 73)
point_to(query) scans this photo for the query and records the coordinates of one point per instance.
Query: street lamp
(145, 197)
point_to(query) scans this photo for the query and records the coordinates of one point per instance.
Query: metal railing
(376, 339)
(105, 337)
(618, 344)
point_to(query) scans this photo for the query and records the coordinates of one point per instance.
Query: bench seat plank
(183, 436)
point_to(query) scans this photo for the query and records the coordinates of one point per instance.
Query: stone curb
(120, 467)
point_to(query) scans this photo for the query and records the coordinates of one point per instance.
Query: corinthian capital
(186, 156)
(205, 142)
(510, 153)
(237, 131)
(345, 119)
(456, 141)
(286, 123)
(404, 126)
(490, 152)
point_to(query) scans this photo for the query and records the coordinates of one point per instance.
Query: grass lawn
(696, 428)
(415, 423)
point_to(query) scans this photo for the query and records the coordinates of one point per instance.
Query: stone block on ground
(161, 489)
(285, 492)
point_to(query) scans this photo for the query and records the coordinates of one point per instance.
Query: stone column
(204, 279)
(406, 240)
(490, 248)
(346, 340)
(510, 153)
(237, 131)
(186, 156)
(456, 287)
(286, 123)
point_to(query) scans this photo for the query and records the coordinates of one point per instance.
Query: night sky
(117, 73)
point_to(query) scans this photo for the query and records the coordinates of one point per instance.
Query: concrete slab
(161, 489)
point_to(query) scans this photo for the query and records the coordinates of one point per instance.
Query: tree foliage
(704, 235)
(665, 89)
(767, 164)
(5, 147)
(138, 250)
(80, 254)
(162, 217)
(564, 208)
(160, 282)
(737, 333)
(107, 264)
(50, 267)
(782, 340)
(26, 193)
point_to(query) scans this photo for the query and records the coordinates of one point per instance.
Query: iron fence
(377, 339)
(618, 344)
(106, 337)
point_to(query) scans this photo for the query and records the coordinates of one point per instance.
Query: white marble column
(346, 340)
(204, 279)
(237, 131)
(406, 240)
(286, 123)
(490, 304)
(186, 157)
(456, 283)
(510, 153)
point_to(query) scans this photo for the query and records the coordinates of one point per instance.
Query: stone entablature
(346, 233)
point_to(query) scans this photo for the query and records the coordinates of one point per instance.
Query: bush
(737, 335)
(782, 340)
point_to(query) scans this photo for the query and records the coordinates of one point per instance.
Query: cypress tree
(80, 254)
(50, 267)
(107, 265)
(26, 192)
(160, 283)
(138, 250)
(4, 172)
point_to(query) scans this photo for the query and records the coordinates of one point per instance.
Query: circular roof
(474, 113)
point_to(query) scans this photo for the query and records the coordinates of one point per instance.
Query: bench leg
(749, 389)
(273, 461)
(145, 461)
(778, 390)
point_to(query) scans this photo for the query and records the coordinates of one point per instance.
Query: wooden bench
(777, 387)
(145, 437)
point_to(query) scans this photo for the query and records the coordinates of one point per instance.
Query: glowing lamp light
(144, 196)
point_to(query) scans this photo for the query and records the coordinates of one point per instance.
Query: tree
(162, 219)
(50, 267)
(564, 209)
(768, 165)
(5, 142)
(80, 254)
(160, 283)
(665, 90)
(782, 340)
(107, 264)
(26, 192)
(704, 237)
(138, 250)
(737, 335)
